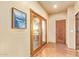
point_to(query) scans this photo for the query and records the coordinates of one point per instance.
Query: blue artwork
(19, 19)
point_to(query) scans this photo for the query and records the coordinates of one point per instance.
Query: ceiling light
(55, 6)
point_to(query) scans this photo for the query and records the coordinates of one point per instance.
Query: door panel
(77, 31)
(36, 32)
(60, 31)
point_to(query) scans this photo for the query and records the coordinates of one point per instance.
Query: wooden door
(77, 31)
(61, 31)
(35, 32)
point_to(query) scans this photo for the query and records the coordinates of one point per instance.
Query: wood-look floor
(56, 50)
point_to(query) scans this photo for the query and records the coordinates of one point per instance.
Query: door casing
(61, 23)
(31, 40)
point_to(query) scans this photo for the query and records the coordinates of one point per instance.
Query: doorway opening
(77, 30)
(61, 31)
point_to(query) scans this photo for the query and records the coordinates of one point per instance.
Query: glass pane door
(36, 32)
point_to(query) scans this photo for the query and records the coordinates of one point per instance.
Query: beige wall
(52, 25)
(76, 7)
(70, 28)
(17, 42)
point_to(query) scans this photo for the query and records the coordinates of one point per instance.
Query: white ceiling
(61, 6)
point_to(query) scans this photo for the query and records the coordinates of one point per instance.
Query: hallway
(56, 50)
(27, 27)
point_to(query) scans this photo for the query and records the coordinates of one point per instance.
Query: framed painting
(18, 19)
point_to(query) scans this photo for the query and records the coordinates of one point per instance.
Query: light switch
(71, 30)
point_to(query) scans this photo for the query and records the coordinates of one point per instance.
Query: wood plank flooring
(56, 50)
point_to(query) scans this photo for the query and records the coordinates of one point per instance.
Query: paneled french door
(38, 32)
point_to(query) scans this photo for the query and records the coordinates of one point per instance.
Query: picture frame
(18, 19)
